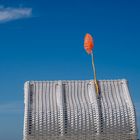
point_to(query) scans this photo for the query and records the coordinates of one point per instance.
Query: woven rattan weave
(71, 110)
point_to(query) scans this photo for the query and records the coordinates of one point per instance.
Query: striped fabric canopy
(71, 110)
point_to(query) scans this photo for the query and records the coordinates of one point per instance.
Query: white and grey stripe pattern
(71, 110)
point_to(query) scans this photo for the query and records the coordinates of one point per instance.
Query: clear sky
(43, 40)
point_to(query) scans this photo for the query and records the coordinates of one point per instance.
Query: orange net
(88, 43)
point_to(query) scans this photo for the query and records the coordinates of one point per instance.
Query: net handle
(94, 72)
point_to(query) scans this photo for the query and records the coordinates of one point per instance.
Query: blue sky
(43, 40)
